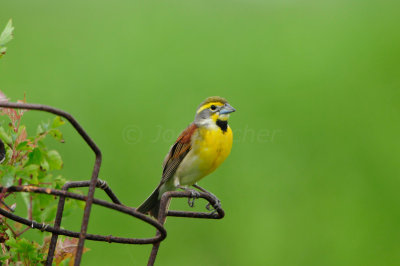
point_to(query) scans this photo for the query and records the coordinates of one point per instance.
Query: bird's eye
(213, 107)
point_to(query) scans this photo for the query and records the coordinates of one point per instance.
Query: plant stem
(4, 249)
(23, 231)
(30, 208)
(9, 227)
(5, 205)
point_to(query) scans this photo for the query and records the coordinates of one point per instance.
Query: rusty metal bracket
(89, 199)
(56, 230)
(164, 212)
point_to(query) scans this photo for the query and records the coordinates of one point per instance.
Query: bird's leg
(217, 204)
(194, 195)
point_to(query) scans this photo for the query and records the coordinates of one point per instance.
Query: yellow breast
(212, 147)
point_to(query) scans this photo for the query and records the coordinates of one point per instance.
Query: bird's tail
(151, 204)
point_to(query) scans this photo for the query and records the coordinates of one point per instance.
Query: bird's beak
(227, 109)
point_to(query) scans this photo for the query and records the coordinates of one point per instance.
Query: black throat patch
(223, 125)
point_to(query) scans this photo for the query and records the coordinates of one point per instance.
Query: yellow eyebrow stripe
(208, 105)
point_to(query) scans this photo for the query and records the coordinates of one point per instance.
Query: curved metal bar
(95, 172)
(163, 213)
(89, 199)
(205, 215)
(59, 231)
(60, 209)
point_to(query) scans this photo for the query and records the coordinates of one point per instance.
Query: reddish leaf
(3, 97)
(67, 250)
(22, 136)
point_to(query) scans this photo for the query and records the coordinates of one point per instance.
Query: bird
(200, 149)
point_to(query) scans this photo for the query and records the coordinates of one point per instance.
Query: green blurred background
(313, 177)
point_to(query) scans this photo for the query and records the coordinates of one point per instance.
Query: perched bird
(197, 152)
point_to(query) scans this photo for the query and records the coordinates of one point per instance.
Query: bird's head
(212, 111)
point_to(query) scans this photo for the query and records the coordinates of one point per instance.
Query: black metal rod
(163, 213)
(95, 172)
(90, 200)
(61, 203)
(118, 207)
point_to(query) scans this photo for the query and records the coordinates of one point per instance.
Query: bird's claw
(214, 207)
(191, 202)
(194, 194)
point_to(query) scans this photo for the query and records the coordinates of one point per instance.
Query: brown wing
(177, 152)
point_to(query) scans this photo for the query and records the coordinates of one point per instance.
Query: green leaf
(45, 165)
(57, 122)
(41, 145)
(8, 175)
(40, 130)
(25, 197)
(69, 207)
(35, 157)
(54, 160)
(34, 180)
(44, 207)
(49, 212)
(36, 210)
(30, 169)
(44, 200)
(45, 126)
(5, 257)
(5, 137)
(56, 134)
(12, 243)
(29, 172)
(27, 250)
(80, 204)
(7, 180)
(5, 37)
(9, 233)
(47, 178)
(23, 146)
(59, 182)
(14, 136)
(7, 34)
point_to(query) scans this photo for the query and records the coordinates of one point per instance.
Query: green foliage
(321, 77)
(23, 250)
(5, 37)
(30, 162)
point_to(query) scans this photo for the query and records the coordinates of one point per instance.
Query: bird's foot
(214, 207)
(194, 194)
(210, 207)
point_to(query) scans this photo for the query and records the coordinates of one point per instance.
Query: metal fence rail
(89, 199)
